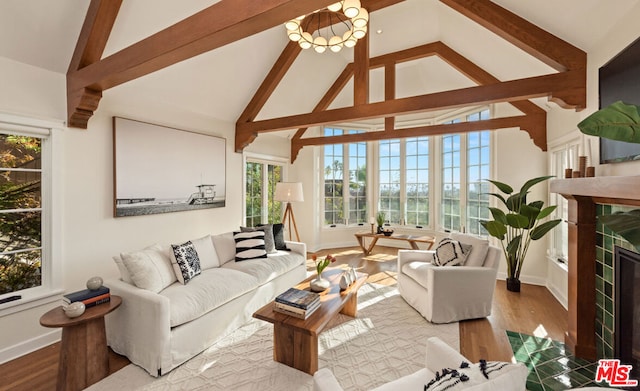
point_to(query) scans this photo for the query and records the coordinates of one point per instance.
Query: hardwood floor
(532, 311)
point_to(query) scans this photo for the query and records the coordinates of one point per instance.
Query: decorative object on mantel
(347, 17)
(517, 228)
(320, 284)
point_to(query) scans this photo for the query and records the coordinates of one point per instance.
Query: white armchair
(444, 294)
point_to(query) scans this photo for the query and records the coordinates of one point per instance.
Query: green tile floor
(551, 367)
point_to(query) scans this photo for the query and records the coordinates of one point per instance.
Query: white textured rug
(386, 341)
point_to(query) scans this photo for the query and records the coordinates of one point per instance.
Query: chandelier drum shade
(339, 25)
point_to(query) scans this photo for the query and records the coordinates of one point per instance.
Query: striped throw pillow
(249, 245)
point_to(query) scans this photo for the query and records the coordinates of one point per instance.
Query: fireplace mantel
(582, 195)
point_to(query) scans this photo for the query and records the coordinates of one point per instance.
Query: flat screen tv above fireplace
(619, 79)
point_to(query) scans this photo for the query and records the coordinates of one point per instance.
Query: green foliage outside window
(20, 214)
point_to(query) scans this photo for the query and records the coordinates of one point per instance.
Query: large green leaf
(503, 187)
(495, 229)
(516, 220)
(541, 230)
(546, 211)
(498, 215)
(531, 213)
(514, 245)
(515, 201)
(531, 182)
(537, 204)
(618, 121)
(625, 224)
(500, 197)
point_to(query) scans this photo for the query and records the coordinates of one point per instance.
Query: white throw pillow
(451, 253)
(486, 375)
(185, 261)
(206, 252)
(225, 247)
(150, 268)
(479, 248)
(124, 273)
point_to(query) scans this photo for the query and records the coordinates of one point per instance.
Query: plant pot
(513, 284)
(380, 229)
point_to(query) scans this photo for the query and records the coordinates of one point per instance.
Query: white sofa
(511, 377)
(444, 294)
(160, 330)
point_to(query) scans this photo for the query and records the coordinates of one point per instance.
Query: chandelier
(340, 24)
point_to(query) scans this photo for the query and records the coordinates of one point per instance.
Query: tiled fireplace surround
(591, 252)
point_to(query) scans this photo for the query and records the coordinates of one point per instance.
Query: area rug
(386, 341)
(551, 366)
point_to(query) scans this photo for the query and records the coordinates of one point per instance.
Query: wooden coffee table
(413, 240)
(295, 341)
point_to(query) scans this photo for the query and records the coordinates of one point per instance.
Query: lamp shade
(289, 192)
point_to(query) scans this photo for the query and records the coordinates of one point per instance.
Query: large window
(389, 180)
(260, 185)
(466, 163)
(345, 181)
(417, 181)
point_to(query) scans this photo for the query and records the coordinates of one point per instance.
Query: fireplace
(627, 308)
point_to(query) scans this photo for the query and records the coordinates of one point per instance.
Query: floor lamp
(289, 192)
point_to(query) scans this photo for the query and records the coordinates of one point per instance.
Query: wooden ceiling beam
(223, 22)
(522, 122)
(286, 60)
(97, 26)
(361, 72)
(541, 44)
(514, 90)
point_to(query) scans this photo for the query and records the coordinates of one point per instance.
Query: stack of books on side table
(297, 303)
(89, 297)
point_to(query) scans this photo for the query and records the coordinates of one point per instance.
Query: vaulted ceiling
(222, 82)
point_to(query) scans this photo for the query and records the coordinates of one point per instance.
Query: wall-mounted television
(619, 79)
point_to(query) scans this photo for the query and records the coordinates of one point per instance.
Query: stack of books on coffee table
(297, 303)
(89, 297)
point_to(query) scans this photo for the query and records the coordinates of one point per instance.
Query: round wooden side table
(84, 356)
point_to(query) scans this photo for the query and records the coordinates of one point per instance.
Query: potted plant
(519, 226)
(380, 220)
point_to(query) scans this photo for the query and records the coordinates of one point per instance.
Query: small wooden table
(412, 239)
(295, 341)
(84, 356)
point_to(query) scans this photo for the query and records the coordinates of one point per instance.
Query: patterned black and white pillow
(185, 261)
(483, 376)
(249, 245)
(451, 253)
(269, 241)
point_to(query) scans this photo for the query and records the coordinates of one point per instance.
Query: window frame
(51, 258)
(265, 160)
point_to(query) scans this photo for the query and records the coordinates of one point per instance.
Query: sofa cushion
(479, 248)
(278, 237)
(451, 253)
(185, 261)
(124, 273)
(265, 270)
(269, 241)
(150, 268)
(225, 247)
(483, 376)
(213, 288)
(206, 252)
(249, 245)
(417, 270)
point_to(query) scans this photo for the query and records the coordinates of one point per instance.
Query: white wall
(90, 234)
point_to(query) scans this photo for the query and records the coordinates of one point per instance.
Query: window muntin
(417, 181)
(357, 182)
(333, 180)
(451, 182)
(390, 180)
(478, 171)
(21, 213)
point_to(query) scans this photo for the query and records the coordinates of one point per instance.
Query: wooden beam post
(389, 92)
(361, 72)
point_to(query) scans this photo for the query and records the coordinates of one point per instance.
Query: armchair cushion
(451, 253)
(479, 248)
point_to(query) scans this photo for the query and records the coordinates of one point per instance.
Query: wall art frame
(160, 169)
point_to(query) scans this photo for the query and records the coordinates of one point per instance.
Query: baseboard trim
(30, 345)
(556, 293)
